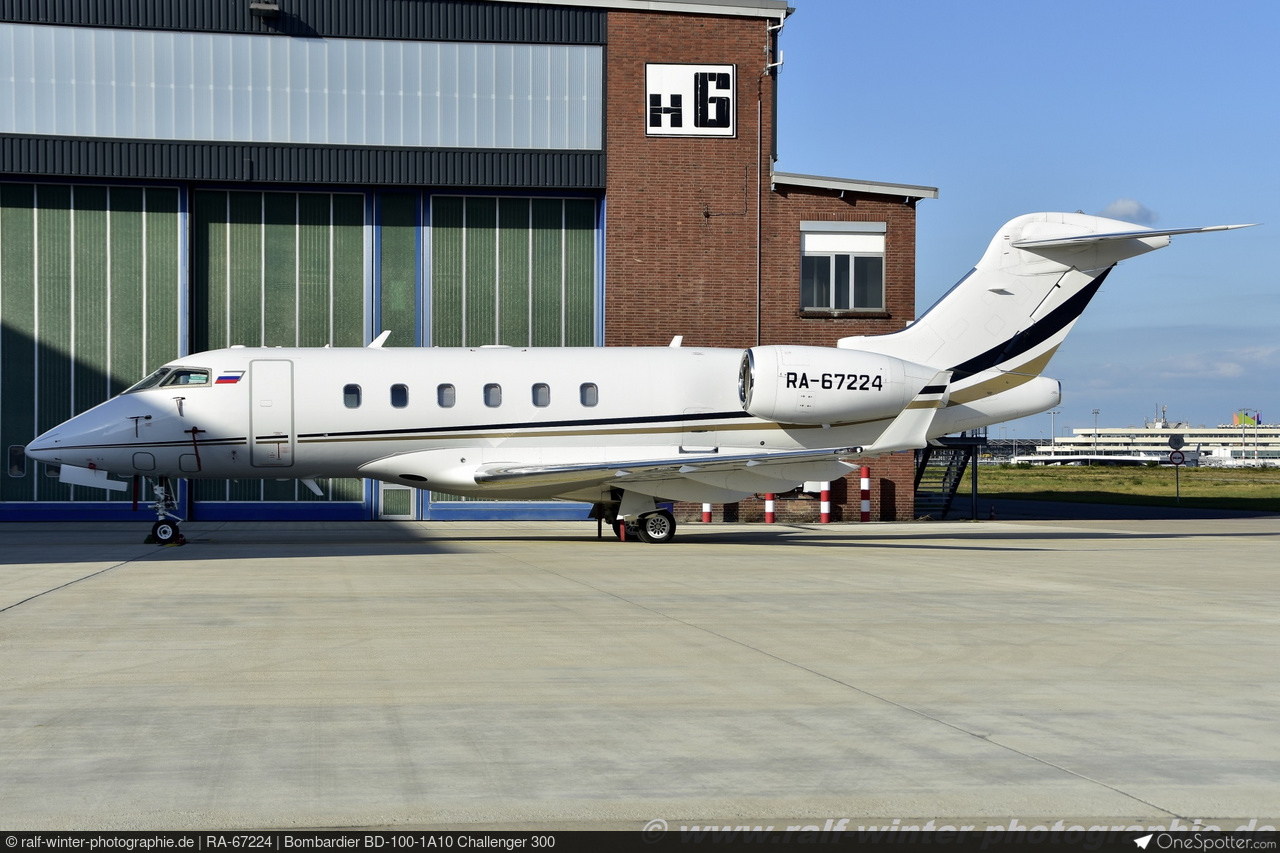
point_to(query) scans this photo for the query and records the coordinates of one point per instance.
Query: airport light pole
(1095, 434)
(1053, 441)
(1244, 434)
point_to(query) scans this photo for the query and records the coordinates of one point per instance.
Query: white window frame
(832, 240)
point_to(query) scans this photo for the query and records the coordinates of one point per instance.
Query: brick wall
(892, 498)
(681, 226)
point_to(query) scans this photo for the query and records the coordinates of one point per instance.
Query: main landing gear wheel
(166, 533)
(657, 527)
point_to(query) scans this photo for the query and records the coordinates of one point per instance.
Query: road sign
(1176, 441)
(1177, 457)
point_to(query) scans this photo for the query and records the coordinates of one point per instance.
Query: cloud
(1130, 211)
(1221, 363)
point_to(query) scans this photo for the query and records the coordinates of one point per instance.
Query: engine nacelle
(821, 385)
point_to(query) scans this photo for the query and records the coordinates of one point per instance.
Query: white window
(842, 266)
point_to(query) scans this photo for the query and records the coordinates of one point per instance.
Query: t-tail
(997, 328)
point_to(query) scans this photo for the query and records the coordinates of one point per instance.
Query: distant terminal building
(182, 175)
(1245, 442)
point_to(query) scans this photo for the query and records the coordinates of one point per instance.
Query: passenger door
(271, 436)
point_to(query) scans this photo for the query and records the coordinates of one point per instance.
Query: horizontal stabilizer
(93, 477)
(910, 429)
(1137, 234)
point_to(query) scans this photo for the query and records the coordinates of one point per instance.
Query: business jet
(622, 428)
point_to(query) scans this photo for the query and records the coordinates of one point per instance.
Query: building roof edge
(849, 185)
(746, 8)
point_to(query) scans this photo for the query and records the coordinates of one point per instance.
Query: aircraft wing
(639, 471)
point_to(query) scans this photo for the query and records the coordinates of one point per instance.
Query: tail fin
(1013, 310)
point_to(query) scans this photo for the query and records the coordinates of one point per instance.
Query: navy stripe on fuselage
(523, 425)
(1035, 334)
(152, 445)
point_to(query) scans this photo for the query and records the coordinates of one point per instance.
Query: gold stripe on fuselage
(1011, 378)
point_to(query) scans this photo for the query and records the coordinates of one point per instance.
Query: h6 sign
(690, 100)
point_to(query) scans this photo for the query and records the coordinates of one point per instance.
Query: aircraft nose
(45, 447)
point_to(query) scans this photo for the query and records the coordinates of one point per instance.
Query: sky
(1166, 114)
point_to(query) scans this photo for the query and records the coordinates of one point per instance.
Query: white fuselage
(294, 413)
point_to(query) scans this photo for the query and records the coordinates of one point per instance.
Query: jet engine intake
(820, 385)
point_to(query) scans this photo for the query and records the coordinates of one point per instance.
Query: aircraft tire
(165, 532)
(657, 527)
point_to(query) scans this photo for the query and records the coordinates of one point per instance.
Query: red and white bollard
(826, 503)
(769, 517)
(706, 513)
(866, 493)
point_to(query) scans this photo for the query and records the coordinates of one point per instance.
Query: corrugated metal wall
(300, 164)
(277, 269)
(90, 284)
(432, 20)
(515, 271)
(85, 82)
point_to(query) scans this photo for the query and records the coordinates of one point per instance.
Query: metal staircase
(940, 469)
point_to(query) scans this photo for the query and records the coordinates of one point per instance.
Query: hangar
(184, 175)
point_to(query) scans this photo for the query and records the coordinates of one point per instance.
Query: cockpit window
(151, 381)
(186, 377)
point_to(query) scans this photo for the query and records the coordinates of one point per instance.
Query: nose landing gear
(165, 531)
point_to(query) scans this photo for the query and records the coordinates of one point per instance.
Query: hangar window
(351, 396)
(446, 396)
(842, 266)
(590, 394)
(493, 395)
(542, 395)
(399, 396)
(17, 460)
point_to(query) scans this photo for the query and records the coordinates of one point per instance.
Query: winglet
(380, 339)
(910, 429)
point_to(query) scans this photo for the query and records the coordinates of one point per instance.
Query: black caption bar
(655, 836)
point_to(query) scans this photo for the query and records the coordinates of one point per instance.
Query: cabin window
(842, 266)
(17, 461)
(493, 395)
(351, 396)
(589, 393)
(446, 396)
(399, 396)
(542, 395)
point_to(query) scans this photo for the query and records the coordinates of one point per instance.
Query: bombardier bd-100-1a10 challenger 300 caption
(574, 424)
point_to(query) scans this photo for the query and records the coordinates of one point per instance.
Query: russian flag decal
(231, 377)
